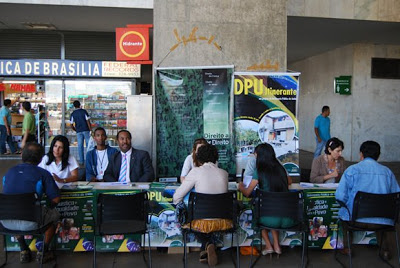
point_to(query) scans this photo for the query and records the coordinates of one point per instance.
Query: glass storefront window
(105, 102)
(53, 108)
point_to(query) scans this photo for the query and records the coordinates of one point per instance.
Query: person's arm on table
(52, 191)
(56, 200)
(182, 190)
(289, 180)
(90, 176)
(247, 191)
(250, 166)
(186, 168)
(73, 177)
(316, 167)
(342, 192)
(73, 167)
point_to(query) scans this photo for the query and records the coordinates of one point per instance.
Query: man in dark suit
(130, 164)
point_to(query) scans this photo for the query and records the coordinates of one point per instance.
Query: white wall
(377, 106)
(247, 34)
(316, 90)
(370, 113)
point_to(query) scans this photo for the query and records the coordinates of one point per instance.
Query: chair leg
(260, 255)
(5, 249)
(41, 260)
(236, 261)
(349, 245)
(150, 264)
(94, 251)
(237, 250)
(304, 244)
(251, 256)
(339, 226)
(397, 244)
(143, 249)
(184, 250)
(54, 247)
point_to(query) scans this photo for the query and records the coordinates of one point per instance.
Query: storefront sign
(68, 68)
(132, 43)
(18, 87)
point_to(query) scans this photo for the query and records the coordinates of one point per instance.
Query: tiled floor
(364, 257)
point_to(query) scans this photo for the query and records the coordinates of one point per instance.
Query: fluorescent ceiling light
(39, 26)
(18, 82)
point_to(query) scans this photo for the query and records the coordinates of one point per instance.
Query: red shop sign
(18, 87)
(132, 43)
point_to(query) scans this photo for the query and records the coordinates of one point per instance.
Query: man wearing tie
(130, 164)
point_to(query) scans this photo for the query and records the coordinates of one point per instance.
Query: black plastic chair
(212, 206)
(305, 175)
(122, 214)
(242, 175)
(281, 204)
(25, 207)
(368, 205)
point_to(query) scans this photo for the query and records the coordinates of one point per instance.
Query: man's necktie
(122, 173)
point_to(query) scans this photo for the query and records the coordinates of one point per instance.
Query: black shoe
(203, 257)
(48, 256)
(212, 255)
(25, 256)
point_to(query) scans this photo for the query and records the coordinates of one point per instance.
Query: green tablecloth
(78, 207)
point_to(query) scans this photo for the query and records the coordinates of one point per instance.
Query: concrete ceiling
(72, 18)
(306, 36)
(311, 36)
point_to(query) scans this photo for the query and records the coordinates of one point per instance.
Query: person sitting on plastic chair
(270, 176)
(29, 178)
(206, 179)
(371, 177)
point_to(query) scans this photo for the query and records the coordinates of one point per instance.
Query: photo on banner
(192, 103)
(265, 110)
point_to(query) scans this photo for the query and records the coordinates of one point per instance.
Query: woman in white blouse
(191, 160)
(59, 162)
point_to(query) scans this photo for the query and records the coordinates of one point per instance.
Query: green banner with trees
(192, 103)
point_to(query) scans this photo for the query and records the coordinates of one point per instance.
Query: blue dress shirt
(366, 176)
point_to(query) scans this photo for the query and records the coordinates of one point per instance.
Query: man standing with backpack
(80, 121)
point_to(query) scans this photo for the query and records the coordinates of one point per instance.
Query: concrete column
(251, 34)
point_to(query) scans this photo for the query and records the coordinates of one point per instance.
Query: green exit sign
(343, 85)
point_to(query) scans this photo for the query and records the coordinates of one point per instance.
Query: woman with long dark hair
(270, 176)
(59, 162)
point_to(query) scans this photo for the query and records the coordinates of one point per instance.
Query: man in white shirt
(97, 159)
